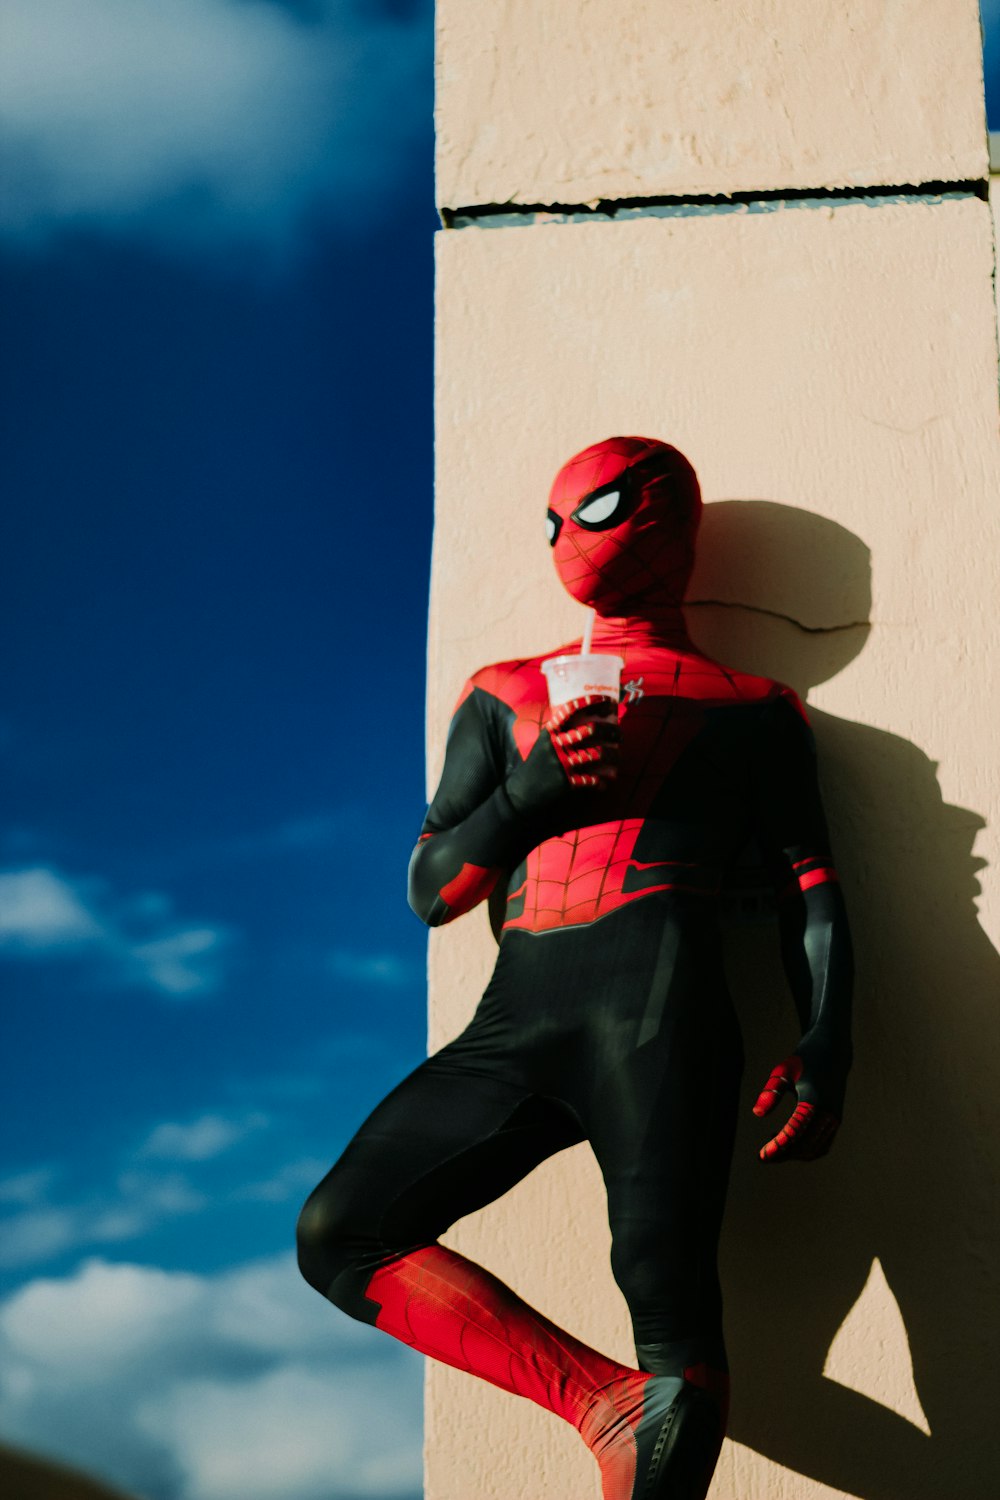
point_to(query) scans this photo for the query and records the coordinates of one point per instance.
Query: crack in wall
(604, 210)
(776, 614)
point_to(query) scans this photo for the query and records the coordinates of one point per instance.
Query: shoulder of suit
(511, 682)
(750, 687)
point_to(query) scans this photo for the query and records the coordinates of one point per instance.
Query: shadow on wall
(913, 1181)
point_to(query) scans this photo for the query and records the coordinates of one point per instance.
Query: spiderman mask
(622, 520)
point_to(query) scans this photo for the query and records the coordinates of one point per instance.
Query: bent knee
(327, 1238)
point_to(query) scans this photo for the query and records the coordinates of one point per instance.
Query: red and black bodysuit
(601, 841)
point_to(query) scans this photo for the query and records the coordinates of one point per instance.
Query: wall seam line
(601, 210)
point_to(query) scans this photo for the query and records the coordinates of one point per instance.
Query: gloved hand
(577, 747)
(818, 1082)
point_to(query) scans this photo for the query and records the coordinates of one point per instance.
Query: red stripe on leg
(450, 1308)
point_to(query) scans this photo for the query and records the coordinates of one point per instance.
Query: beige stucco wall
(831, 372)
(564, 101)
(848, 374)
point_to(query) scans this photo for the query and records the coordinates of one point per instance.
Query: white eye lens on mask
(599, 511)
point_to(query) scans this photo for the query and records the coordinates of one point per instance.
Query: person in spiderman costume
(600, 836)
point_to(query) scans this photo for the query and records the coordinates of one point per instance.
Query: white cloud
(191, 120)
(150, 1191)
(274, 1436)
(159, 1196)
(383, 969)
(104, 1315)
(38, 910)
(38, 1234)
(36, 1226)
(290, 1181)
(243, 1385)
(26, 1187)
(172, 963)
(141, 1201)
(45, 914)
(201, 1139)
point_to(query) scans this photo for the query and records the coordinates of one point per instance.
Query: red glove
(577, 747)
(585, 736)
(809, 1130)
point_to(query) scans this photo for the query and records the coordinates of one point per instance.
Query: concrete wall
(565, 101)
(830, 369)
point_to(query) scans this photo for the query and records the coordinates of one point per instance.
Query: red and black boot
(655, 1437)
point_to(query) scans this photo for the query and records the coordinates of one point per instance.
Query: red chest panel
(586, 872)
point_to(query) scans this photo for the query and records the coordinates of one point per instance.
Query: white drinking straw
(588, 632)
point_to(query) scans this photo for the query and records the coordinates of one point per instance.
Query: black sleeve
(472, 833)
(791, 824)
(792, 830)
(473, 765)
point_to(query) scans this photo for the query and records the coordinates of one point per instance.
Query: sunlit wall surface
(828, 362)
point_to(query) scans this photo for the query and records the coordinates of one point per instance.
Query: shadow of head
(779, 591)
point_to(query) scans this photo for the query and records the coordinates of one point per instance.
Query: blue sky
(215, 252)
